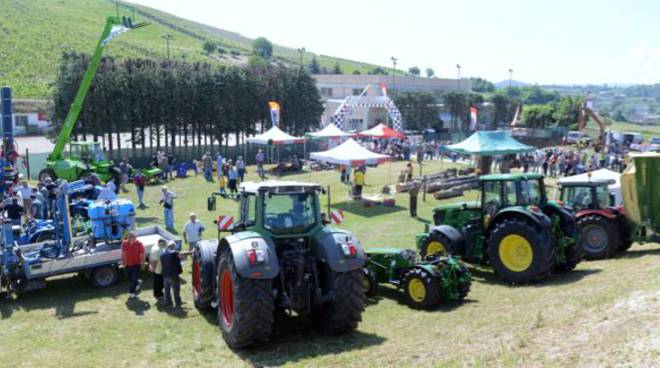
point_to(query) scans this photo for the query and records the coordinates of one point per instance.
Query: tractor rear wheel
(435, 244)
(203, 274)
(245, 308)
(599, 237)
(422, 289)
(519, 253)
(344, 311)
(46, 174)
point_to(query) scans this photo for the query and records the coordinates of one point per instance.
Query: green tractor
(513, 227)
(425, 284)
(280, 258)
(84, 158)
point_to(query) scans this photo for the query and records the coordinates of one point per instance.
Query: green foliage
(429, 73)
(503, 108)
(482, 85)
(378, 71)
(262, 47)
(538, 116)
(314, 67)
(566, 110)
(221, 50)
(356, 72)
(419, 110)
(209, 47)
(336, 69)
(414, 71)
(532, 95)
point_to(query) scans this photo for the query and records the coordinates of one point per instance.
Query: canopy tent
(275, 136)
(599, 175)
(489, 143)
(349, 153)
(330, 131)
(381, 131)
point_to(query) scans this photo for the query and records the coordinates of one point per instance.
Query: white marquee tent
(330, 131)
(349, 153)
(275, 136)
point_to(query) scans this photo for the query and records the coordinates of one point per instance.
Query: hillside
(34, 33)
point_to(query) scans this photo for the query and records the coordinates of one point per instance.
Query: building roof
(402, 82)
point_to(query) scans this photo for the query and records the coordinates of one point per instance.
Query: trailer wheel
(343, 312)
(599, 237)
(422, 289)
(203, 274)
(245, 308)
(104, 276)
(46, 174)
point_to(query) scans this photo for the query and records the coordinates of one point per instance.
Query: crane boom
(113, 27)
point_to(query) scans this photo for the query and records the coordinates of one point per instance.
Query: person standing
(170, 261)
(413, 192)
(37, 207)
(359, 183)
(132, 258)
(409, 171)
(259, 158)
(233, 178)
(207, 165)
(25, 192)
(240, 167)
(156, 268)
(171, 161)
(14, 211)
(125, 169)
(167, 201)
(192, 231)
(218, 165)
(140, 181)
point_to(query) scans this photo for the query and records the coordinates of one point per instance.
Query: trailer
(95, 256)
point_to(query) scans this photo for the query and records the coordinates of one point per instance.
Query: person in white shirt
(24, 192)
(156, 268)
(167, 200)
(192, 232)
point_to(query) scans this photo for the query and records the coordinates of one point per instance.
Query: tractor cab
(590, 195)
(499, 191)
(88, 152)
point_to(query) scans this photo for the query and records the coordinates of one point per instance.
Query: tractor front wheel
(343, 312)
(423, 290)
(599, 236)
(519, 252)
(47, 174)
(435, 244)
(245, 308)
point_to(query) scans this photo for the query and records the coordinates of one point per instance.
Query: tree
(209, 47)
(429, 73)
(414, 71)
(356, 72)
(537, 116)
(482, 85)
(502, 108)
(419, 110)
(566, 110)
(262, 47)
(337, 69)
(314, 67)
(378, 71)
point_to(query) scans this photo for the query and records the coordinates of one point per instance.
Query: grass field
(605, 313)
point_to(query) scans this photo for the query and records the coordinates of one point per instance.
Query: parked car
(574, 137)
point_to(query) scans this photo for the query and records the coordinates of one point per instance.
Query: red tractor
(604, 230)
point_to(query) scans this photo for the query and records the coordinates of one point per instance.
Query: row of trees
(195, 103)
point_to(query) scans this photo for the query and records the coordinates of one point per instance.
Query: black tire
(422, 289)
(203, 275)
(625, 245)
(464, 283)
(104, 276)
(47, 173)
(599, 237)
(542, 252)
(343, 312)
(245, 306)
(434, 240)
(370, 282)
(574, 255)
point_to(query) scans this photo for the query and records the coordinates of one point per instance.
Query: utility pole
(458, 80)
(394, 60)
(167, 38)
(302, 52)
(510, 77)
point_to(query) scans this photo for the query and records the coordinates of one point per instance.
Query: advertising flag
(473, 118)
(274, 113)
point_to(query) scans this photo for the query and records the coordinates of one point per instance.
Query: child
(223, 184)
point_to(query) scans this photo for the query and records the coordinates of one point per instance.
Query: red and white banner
(473, 118)
(224, 222)
(336, 216)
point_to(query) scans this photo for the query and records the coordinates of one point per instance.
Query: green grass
(34, 33)
(604, 313)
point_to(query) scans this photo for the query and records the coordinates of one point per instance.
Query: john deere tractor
(279, 258)
(513, 227)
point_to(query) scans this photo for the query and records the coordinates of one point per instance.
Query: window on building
(326, 91)
(21, 120)
(356, 91)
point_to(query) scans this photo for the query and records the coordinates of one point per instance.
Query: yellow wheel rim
(435, 247)
(417, 290)
(366, 282)
(515, 253)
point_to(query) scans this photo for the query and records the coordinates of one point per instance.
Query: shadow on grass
(294, 338)
(398, 296)
(62, 294)
(357, 208)
(141, 220)
(487, 276)
(637, 253)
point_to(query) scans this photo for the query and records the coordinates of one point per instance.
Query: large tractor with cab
(604, 229)
(513, 227)
(279, 258)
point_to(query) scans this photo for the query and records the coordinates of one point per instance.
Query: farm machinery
(84, 158)
(604, 230)
(94, 255)
(425, 283)
(513, 227)
(640, 185)
(279, 258)
(8, 172)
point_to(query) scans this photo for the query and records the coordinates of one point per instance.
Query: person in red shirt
(132, 258)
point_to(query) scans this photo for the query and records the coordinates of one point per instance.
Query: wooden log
(449, 193)
(438, 186)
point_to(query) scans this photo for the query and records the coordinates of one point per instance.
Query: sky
(542, 41)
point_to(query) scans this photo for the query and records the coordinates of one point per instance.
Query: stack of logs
(447, 184)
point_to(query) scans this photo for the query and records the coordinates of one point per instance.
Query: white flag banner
(114, 32)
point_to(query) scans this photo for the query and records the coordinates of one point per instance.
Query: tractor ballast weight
(280, 256)
(425, 283)
(514, 228)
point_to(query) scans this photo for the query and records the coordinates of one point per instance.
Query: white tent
(330, 131)
(275, 136)
(602, 174)
(349, 153)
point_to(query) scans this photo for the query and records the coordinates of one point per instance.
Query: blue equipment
(110, 219)
(8, 173)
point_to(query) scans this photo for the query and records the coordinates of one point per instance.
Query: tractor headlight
(349, 249)
(256, 256)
